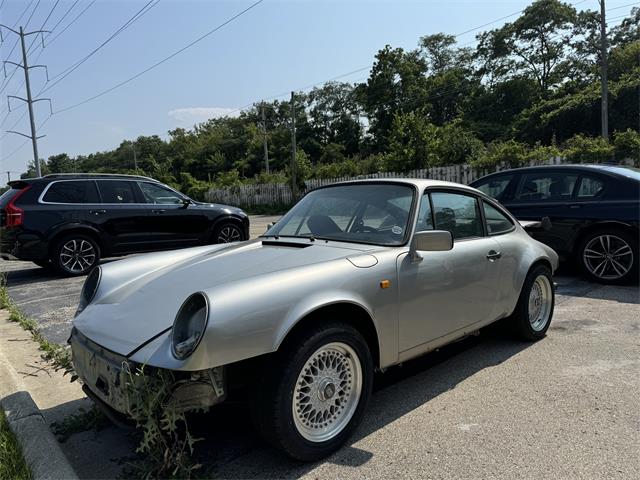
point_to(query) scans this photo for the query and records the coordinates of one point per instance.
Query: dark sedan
(69, 221)
(594, 212)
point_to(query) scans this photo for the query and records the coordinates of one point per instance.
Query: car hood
(138, 298)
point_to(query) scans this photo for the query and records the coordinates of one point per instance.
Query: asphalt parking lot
(564, 407)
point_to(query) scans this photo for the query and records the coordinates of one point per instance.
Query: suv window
(494, 187)
(159, 195)
(458, 214)
(549, 186)
(497, 222)
(590, 187)
(72, 191)
(117, 191)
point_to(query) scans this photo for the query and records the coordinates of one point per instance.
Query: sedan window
(457, 213)
(590, 187)
(551, 186)
(494, 187)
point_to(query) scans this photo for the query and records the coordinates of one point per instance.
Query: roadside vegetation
(12, 464)
(528, 90)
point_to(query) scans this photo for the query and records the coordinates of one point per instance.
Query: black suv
(69, 221)
(594, 212)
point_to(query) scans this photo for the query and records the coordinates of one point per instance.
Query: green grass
(12, 464)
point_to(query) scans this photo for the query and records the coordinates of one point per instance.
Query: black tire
(520, 321)
(620, 241)
(273, 403)
(228, 232)
(64, 259)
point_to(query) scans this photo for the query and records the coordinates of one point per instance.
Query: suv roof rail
(119, 175)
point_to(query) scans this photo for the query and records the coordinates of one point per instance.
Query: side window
(590, 187)
(425, 218)
(549, 186)
(458, 214)
(495, 187)
(158, 195)
(117, 191)
(497, 222)
(77, 191)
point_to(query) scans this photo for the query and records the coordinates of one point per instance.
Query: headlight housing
(189, 325)
(89, 289)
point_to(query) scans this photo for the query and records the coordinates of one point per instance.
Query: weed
(12, 464)
(92, 419)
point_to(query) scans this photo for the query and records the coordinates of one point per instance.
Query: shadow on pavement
(232, 449)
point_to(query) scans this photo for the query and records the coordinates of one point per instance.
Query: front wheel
(75, 254)
(227, 233)
(534, 310)
(314, 393)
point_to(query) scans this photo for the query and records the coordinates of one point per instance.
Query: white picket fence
(280, 193)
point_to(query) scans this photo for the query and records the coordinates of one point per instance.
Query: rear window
(7, 196)
(117, 191)
(76, 191)
(495, 186)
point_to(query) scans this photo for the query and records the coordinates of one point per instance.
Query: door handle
(493, 255)
(158, 211)
(97, 212)
(575, 206)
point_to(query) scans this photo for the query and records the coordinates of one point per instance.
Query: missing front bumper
(119, 383)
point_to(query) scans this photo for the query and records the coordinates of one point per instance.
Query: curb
(39, 447)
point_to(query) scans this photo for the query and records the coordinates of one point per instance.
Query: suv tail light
(15, 214)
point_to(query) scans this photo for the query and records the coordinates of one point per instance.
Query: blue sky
(277, 46)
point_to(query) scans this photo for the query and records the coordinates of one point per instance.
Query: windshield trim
(411, 220)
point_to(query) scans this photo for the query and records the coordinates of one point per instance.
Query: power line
(71, 22)
(157, 64)
(4, 84)
(61, 19)
(66, 72)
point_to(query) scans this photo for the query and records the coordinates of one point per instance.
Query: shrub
(627, 145)
(583, 149)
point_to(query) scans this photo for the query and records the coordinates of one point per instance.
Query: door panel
(446, 291)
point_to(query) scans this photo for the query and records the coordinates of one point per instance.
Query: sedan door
(448, 291)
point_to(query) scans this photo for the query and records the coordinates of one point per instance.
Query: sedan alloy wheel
(229, 233)
(608, 257)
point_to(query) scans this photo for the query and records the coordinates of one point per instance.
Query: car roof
(613, 169)
(420, 183)
(122, 176)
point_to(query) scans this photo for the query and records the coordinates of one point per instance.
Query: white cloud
(187, 117)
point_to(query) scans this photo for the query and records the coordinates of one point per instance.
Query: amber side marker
(385, 283)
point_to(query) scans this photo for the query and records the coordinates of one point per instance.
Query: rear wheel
(313, 395)
(75, 254)
(534, 310)
(227, 233)
(609, 256)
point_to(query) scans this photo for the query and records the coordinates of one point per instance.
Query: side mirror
(430, 241)
(186, 202)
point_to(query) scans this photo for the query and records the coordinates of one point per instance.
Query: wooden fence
(279, 194)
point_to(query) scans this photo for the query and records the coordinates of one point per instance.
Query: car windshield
(361, 213)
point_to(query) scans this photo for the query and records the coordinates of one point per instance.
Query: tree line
(529, 89)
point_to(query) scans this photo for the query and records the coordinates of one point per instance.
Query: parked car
(357, 276)
(594, 212)
(70, 221)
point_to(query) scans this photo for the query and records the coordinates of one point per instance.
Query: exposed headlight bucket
(89, 289)
(189, 325)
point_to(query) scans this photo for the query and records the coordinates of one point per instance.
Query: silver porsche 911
(356, 277)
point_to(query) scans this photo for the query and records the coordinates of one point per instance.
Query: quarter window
(552, 187)
(495, 187)
(590, 187)
(459, 214)
(77, 191)
(159, 195)
(497, 222)
(116, 191)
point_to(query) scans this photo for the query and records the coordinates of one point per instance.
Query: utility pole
(264, 138)
(603, 72)
(29, 100)
(294, 184)
(8, 176)
(135, 157)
